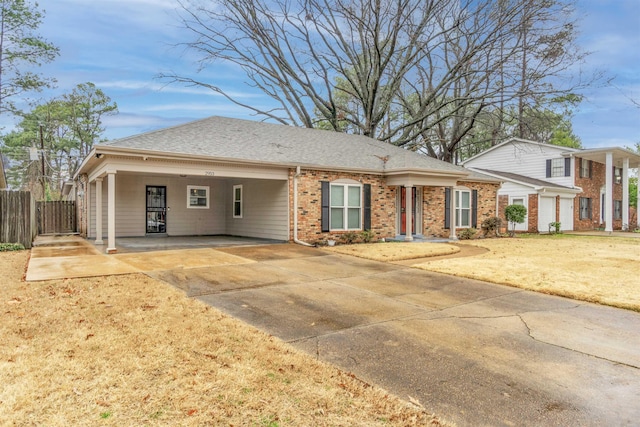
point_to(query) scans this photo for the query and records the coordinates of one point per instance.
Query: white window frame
(345, 206)
(206, 196)
(460, 209)
(237, 201)
(585, 168)
(557, 167)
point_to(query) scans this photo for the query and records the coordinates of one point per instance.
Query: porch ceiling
(619, 154)
(202, 169)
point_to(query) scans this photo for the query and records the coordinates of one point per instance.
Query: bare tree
(414, 73)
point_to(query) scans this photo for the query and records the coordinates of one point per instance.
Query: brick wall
(383, 211)
(434, 208)
(591, 189)
(532, 212)
(383, 205)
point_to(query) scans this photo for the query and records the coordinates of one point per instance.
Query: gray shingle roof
(235, 139)
(524, 179)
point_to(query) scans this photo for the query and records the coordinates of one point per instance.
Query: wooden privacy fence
(56, 217)
(17, 219)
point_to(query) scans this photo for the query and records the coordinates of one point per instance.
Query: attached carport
(133, 193)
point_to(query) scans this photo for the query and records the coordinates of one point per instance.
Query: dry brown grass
(395, 251)
(596, 269)
(129, 350)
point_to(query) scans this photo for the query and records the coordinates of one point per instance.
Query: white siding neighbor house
(580, 189)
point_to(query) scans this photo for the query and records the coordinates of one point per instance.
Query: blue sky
(121, 45)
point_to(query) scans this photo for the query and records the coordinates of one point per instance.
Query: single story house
(223, 176)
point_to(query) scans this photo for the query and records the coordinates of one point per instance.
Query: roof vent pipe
(295, 209)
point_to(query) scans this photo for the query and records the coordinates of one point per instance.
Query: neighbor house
(222, 176)
(580, 189)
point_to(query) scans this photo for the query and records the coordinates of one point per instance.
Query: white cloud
(175, 88)
(209, 108)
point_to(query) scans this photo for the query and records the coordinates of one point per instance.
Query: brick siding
(591, 189)
(383, 205)
(532, 226)
(434, 209)
(383, 211)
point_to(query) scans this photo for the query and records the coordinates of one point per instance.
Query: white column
(625, 194)
(452, 215)
(408, 197)
(99, 240)
(111, 212)
(608, 197)
(638, 198)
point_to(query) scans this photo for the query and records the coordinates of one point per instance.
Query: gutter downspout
(295, 209)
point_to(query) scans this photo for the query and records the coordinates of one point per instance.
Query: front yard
(604, 270)
(130, 350)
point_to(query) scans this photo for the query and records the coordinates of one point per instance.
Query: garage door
(566, 214)
(546, 213)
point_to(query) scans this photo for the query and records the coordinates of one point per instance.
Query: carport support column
(452, 214)
(638, 198)
(625, 194)
(99, 240)
(608, 202)
(408, 194)
(111, 212)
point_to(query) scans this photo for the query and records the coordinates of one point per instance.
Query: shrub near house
(515, 214)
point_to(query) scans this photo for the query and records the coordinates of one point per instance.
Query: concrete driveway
(472, 352)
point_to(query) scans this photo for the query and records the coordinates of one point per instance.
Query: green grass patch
(8, 247)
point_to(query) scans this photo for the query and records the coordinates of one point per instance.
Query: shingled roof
(244, 140)
(533, 182)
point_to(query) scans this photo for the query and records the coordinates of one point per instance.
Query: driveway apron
(471, 352)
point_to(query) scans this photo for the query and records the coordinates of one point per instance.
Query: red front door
(403, 210)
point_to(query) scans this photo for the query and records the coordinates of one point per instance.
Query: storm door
(156, 209)
(403, 211)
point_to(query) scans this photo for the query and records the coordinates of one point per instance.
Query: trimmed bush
(491, 225)
(467, 234)
(515, 214)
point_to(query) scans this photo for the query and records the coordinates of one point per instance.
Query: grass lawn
(395, 251)
(596, 269)
(130, 350)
